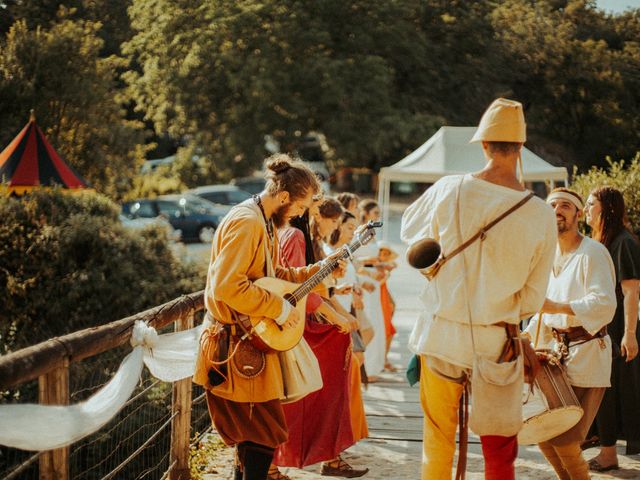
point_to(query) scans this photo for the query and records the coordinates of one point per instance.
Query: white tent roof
(449, 152)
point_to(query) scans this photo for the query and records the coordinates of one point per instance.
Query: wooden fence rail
(49, 362)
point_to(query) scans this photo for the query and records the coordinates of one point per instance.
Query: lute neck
(304, 289)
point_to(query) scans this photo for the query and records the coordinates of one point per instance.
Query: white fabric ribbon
(169, 357)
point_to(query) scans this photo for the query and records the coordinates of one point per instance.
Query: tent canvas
(30, 161)
(448, 152)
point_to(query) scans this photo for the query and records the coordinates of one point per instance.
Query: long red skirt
(320, 424)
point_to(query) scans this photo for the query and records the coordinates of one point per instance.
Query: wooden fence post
(181, 423)
(53, 389)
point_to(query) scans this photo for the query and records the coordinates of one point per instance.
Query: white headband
(565, 196)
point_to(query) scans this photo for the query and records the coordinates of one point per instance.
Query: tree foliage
(75, 97)
(377, 78)
(228, 73)
(621, 175)
(373, 78)
(571, 67)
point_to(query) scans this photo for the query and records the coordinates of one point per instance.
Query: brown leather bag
(247, 360)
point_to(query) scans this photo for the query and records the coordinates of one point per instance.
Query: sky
(617, 6)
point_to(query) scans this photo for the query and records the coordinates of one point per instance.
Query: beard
(562, 225)
(279, 217)
(565, 224)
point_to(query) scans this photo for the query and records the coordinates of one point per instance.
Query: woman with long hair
(319, 425)
(620, 408)
(349, 297)
(350, 202)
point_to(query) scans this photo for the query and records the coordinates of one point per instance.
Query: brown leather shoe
(340, 468)
(275, 474)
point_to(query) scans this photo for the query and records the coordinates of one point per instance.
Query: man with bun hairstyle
(494, 283)
(573, 320)
(246, 410)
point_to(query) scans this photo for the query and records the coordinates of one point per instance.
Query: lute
(264, 333)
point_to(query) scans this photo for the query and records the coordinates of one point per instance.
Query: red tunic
(319, 424)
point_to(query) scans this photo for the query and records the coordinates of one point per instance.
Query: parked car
(251, 184)
(195, 217)
(138, 223)
(225, 196)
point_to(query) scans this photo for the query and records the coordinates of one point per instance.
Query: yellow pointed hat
(502, 122)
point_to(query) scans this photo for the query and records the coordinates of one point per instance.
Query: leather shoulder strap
(482, 233)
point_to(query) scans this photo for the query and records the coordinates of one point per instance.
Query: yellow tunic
(238, 258)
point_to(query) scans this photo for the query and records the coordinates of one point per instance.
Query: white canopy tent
(448, 152)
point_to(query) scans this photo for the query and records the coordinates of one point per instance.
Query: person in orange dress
(386, 264)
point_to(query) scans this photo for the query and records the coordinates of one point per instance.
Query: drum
(551, 409)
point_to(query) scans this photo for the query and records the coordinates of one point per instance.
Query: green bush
(66, 263)
(624, 177)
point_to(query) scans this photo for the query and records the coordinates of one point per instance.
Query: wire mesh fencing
(133, 445)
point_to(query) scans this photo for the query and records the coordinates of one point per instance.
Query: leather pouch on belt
(218, 370)
(513, 347)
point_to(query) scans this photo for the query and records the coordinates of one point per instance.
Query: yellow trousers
(440, 399)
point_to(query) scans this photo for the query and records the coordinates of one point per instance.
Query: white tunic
(375, 352)
(506, 274)
(587, 283)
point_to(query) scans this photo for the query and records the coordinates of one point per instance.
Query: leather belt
(577, 334)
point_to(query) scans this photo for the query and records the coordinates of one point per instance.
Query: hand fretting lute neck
(320, 275)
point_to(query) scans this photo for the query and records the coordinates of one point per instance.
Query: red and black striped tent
(31, 162)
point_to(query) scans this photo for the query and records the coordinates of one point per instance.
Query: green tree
(112, 15)
(571, 67)
(227, 73)
(75, 97)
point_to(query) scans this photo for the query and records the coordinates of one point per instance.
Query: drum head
(548, 424)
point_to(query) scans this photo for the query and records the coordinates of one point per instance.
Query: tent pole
(381, 202)
(387, 194)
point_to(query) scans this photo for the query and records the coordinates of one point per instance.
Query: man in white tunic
(501, 279)
(580, 302)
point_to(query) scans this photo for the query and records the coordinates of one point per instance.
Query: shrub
(624, 177)
(66, 263)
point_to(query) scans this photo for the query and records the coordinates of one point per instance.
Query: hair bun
(279, 164)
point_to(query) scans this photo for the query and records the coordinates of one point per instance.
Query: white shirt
(587, 283)
(506, 274)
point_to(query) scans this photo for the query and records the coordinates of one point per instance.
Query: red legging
(499, 457)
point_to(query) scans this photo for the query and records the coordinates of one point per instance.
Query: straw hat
(502, 122)
(382, 245)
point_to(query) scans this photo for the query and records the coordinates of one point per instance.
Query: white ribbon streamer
(169, 357)
(174, 355)
(44, 427)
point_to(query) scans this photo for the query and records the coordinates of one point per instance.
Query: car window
(215, 197)
(171, 209)
(237, 196)
(143, 209)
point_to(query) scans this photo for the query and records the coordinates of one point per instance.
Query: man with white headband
(580, 303)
